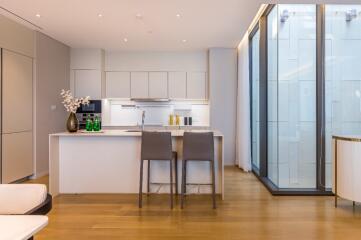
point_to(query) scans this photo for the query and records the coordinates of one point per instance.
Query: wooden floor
(248, 212)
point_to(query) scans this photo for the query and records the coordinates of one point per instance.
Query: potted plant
(71, 104)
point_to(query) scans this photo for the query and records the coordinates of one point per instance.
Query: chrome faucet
(143, 118)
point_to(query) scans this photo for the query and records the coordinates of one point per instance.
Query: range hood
(150, 99)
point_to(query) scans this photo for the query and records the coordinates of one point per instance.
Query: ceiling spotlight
(125, 39)
(100, 15)
(139, 16)
(178, 15)
(184, 40)
(37, 15)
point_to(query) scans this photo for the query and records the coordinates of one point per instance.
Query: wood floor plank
(249, 211)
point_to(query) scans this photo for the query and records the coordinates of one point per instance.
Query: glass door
(291, 100)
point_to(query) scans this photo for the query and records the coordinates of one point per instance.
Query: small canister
(177, 120)
(171, 119)
(190, 120)
(185, 121)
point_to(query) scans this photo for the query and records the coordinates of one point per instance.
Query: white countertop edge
(18, 227)
(124, 133)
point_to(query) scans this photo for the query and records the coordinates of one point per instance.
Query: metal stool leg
(213, 185)
(185, 179)
(183, 183)
(171, 182)
(141, 184)
(148, 178)
(176, 172)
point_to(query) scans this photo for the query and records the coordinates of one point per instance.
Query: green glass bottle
(96, 125)
(88, 124)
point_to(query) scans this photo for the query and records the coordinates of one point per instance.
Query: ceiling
(202, 23)
(150, 25)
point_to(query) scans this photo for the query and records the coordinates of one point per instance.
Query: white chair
(20, 207)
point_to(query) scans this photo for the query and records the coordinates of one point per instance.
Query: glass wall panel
(292, 96)
(342, 74)
(272, 93)
(255, 99)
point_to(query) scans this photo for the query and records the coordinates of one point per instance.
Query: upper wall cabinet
(139, 85)
(177, 85)
(158, 85)
(196, 85)
(117, 84)
(87, 83)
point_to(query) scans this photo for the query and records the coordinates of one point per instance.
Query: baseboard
(39, 174)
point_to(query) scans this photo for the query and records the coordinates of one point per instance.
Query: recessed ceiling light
(139, 16)
(184, 40)
(100, 15)
(38, 15)
(125, 39)
(178, 15)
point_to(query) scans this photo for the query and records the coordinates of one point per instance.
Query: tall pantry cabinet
(16, 116)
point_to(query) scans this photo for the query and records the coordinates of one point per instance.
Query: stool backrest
(198, 146)
(156, 146)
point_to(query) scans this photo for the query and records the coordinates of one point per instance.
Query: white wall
(84, 58)
(223, 95)
(52, 74)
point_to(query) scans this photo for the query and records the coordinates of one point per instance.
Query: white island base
(346, 167)
(109, 162)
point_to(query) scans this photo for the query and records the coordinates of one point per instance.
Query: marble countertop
(127, 133)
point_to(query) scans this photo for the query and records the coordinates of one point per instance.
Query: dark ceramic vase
(72, 123)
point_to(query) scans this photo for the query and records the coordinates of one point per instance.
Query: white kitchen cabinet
(17, 99)
(117, 84)
(139, 85)
(17, 156)
(158, 85)
(87, 83)
(196, 85)
(177, 85)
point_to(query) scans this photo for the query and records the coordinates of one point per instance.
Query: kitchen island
(109, 162)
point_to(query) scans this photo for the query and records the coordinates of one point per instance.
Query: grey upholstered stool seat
(157, 146)
(198, 147)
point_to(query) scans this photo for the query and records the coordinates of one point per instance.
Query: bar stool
(157, 146)
(198, 147)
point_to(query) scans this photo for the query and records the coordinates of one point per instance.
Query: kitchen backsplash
(129, 113)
